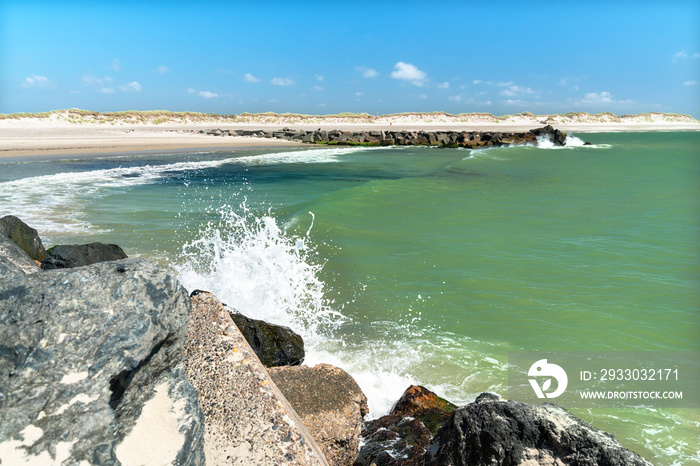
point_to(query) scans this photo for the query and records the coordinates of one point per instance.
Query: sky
(376, 57)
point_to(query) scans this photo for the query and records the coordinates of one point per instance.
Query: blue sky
(329, 57)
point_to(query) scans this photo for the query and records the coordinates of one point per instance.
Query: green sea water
(418, 265)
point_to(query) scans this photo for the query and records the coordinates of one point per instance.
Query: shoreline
(80, 133)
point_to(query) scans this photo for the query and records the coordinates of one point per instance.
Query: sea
(417, 265)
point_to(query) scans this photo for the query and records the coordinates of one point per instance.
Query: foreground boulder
(14, 262)
(274, 345)
(80, 255)
(247, 419)
(25, 236)
(91, 368)
(331, 406)
(493, 431)
(402, 436)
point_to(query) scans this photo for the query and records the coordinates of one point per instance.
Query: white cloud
(282, 82)
(601, 98)
(318, 88)
(597, 98)
(319, 77)
(512, 91)
(690, 83)
(444, 85)
(106, 90)
(91, 80)
(203, 94)
(696, 55)
(423, 96)
(73, 91)
(367, 72)
(38, 81)
(358, 93)
(131, 87)
(455, 98)
(410, 73)
(492, 83)
(162, 69)
(116, 64)
(680, 55)
(250, 78)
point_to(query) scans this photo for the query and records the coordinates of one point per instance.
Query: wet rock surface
(330, 404)
(402, 436)
(275, 345)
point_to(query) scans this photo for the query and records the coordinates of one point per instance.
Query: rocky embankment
(452, 139)
(107, 360)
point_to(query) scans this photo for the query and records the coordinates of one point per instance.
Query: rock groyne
(448, 139)
(112, 363)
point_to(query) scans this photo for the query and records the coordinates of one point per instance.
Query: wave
(544, 141)
(264, 272)
(53, 203)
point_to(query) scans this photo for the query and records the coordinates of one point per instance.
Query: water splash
(256, 268)
(544, 141)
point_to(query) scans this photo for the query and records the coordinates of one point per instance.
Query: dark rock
(25, 236)
(556, 136)
(393, 441)
(416, 398)
(69, 256)
(91, 368)
(402, 437)
(492, 431)
(14, 262)
(274, 345)
(331, 406)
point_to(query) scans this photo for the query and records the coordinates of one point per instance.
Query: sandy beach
(62, 133)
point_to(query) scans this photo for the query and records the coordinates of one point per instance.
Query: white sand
(71, 132)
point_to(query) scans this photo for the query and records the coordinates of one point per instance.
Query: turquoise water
(417, 265)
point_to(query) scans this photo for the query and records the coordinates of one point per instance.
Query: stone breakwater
(105, 360)
(451, 139)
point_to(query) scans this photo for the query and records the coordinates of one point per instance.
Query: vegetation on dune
(156, 117)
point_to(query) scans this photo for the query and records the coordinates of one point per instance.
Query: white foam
(53, 203)
(249, 263)
(544, 141)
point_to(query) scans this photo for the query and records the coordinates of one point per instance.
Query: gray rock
(25, 236)
(80, 255)
(275, 345)
(492, 431)
(91, 368)
(330, 404)
(14, 262)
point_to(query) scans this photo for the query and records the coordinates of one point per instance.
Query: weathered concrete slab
(247, 419)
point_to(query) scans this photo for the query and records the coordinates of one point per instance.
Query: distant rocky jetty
(451, 139)
(106, 360)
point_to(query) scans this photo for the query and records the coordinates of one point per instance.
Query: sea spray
(264, 272)
(257, 269)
